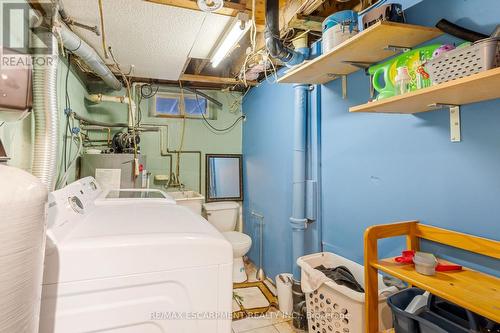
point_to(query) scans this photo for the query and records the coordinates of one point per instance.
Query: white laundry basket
(334, 308)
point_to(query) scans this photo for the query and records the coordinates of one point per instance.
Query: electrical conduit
(298, 219)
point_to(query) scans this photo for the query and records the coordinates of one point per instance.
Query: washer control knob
(76, 204)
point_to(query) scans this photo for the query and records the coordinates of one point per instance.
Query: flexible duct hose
(459, 32)
(80, 48)
(44, 165)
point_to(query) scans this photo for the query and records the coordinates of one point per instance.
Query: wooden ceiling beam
(200, 66)
(212, 79)
(313, 23)
(229, 9)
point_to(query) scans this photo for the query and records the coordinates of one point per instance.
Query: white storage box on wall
(336, 308)
(23, 201)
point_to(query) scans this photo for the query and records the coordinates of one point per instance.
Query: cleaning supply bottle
(402, 80)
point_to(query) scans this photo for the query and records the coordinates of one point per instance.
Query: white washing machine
(132, 265)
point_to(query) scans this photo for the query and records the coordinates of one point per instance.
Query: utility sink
(190, 199)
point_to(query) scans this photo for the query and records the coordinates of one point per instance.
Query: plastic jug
(384, 74)
(383, 83)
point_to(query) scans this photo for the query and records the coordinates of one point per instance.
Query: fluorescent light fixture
(233, 35)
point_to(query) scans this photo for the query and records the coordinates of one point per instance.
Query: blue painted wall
(267, 182)
(379, 168)
(267, 148)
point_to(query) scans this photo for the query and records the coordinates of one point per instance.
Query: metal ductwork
(79, 47)
(272, 35)
(84, 51)
(44, 164)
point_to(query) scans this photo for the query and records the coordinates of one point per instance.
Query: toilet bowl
(241, 243)
(223, 216)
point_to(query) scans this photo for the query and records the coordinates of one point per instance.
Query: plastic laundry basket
(336, 308)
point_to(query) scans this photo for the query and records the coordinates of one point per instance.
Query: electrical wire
(79, 142)
(253, 43)
(183, 132)
(67, 112)
(139, 108)
(227, 129)
(149, 94)
(230, 127)
(183, 113)
(129, 95)
(103, 39)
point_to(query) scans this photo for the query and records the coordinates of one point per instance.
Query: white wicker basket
(335, 308)
(465, 61)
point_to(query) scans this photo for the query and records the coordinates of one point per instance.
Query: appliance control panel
(68, 206)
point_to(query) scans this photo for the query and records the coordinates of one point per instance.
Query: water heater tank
(23, 214)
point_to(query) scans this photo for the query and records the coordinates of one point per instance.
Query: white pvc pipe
(98, 98)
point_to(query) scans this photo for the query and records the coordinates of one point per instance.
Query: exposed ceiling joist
(212, 79)
(200, 66)
(313, 23)
(229, 9)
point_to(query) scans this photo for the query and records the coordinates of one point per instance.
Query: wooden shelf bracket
(455, 131)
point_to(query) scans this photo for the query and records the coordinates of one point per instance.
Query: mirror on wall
(224, 180)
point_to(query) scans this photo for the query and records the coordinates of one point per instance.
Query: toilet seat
(237, 239)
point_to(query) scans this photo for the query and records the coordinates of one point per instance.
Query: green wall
(17, 136)
(198, 137)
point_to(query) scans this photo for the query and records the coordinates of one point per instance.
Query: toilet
(223, 216)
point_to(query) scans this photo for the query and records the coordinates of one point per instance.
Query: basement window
(167, 104)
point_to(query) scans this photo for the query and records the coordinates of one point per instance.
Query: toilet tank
(223, 215)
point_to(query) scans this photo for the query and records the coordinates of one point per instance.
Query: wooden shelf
(473, 290)
(475, 88)
(369, 46)
(470, 289)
